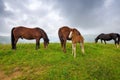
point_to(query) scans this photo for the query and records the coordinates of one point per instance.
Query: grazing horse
(28, 33)
(76, 38)
(107, 37)
(63, 34)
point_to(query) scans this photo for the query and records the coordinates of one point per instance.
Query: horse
(108, 37)
(76, 37)
(28, 33)
(66, 33)
(63, 34)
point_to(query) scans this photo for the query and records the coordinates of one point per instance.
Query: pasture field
(100, 62)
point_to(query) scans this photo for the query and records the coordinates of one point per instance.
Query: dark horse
(107, 37)
(28, 33)
(65, 33)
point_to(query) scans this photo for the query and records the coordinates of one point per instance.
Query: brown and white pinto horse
(28, 33)
(76, 38)
(65, 33)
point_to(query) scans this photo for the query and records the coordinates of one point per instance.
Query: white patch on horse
(74, 50)
(70, 35)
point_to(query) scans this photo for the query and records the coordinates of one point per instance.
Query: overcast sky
(88, 16)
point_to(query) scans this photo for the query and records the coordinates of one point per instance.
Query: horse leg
(64, 46)
(116, 43)
(37, 43)
(15, 43)
(101, 41)
(104, 41)
(82, 47)
(61, 44)
(74, 49)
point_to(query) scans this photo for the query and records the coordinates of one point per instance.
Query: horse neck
(45, 37)
(96, 39)
(75, 34)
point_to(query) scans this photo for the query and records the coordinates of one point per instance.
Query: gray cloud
(89, 16)
(3, 15)
(1, 7)
(81, 12)
(97, 15)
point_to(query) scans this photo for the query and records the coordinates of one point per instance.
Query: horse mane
(44, 35)
(77, 32)
(64, 27)
(98, 37)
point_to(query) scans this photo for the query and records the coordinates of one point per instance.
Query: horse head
(96, 39)
(46, 42)
(72, 32)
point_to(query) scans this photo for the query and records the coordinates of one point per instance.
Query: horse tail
(12, 38)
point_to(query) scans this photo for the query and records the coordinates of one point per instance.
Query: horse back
(27, 33)
(77, 37)
(64, 32)
(76, 32)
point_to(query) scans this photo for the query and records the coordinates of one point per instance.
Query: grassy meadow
(100, 62)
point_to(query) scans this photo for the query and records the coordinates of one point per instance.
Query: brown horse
(63, 34)
(28, 33)
(76, 38)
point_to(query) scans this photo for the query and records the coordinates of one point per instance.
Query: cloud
(1, 7)
(89, 16)
(3, 14)
(94, 15)
(81, 12)
(32, 13)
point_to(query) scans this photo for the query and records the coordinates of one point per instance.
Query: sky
(88, 16)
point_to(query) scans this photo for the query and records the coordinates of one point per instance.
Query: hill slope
(101, 62)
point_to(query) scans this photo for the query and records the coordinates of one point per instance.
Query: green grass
(100, 62)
